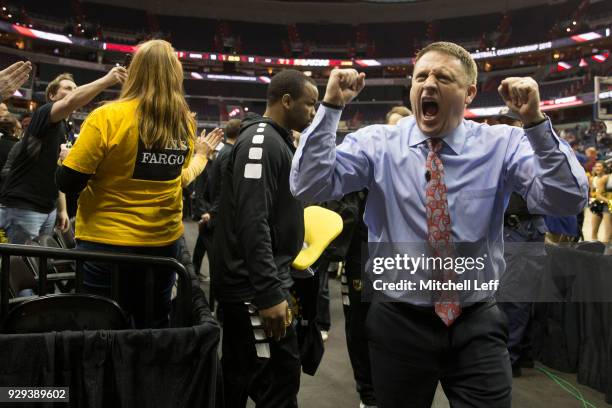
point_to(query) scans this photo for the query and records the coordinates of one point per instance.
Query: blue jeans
(22, 225)
(97, 280)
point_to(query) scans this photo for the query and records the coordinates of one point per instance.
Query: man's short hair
(400, 110)
(55, 84)
(288, 81)
(457, 51)
(232, 129)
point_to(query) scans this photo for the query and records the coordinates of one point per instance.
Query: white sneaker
(362, 405)
(324, 335)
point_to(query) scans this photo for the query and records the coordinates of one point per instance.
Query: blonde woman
(131, 160)
(603, 193)
(597, 206)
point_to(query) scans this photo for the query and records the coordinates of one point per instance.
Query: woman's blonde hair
(155, 79)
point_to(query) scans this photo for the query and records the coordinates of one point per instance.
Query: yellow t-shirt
(134, 197)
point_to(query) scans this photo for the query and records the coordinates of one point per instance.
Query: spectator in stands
(603, 138)
(597, 134)
(591, 154)
(10, 131)
(13, 77)
(130, 162)
(26, 118)
(436, 180)
(598, 207)
(3, 110)
(29, 195)
(396, 113)
(569, 136)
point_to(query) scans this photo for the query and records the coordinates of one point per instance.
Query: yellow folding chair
(321, 227)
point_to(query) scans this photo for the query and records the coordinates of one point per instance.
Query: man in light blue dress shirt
(411, 348)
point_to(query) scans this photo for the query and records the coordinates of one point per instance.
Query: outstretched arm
(320, 171)
(540, 166)
(84, 94)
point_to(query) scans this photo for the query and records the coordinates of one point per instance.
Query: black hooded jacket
(261, 224)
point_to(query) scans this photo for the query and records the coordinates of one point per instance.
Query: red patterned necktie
(446, 303)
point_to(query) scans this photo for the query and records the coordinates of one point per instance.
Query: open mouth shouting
(429, 109)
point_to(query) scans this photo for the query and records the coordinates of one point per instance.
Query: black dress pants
(202, 246)
(411, 349)
(323, 312)
(270, 382)
(355, 313)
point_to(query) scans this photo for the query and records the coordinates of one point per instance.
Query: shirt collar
(455, 139)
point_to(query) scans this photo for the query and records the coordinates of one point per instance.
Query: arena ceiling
(326, 11)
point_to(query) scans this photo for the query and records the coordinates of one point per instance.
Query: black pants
(525, 261)
(323, 313)
(518, 315)
(203, 245)
(411, 350)
(271, 382)
(355, 313)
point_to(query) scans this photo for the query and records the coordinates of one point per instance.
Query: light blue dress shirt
(483, 164)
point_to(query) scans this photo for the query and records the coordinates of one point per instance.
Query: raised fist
(343, 86)
(522, 95)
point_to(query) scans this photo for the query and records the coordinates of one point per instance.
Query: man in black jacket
(208, 195)
(260, 231)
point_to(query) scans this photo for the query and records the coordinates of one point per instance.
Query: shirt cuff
(270, 298)
(332, 106)
(327, 118)
(542, 137)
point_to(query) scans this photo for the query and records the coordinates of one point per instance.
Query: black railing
(183, 298)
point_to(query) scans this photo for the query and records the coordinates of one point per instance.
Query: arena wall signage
(546, 105)
(302, 62)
